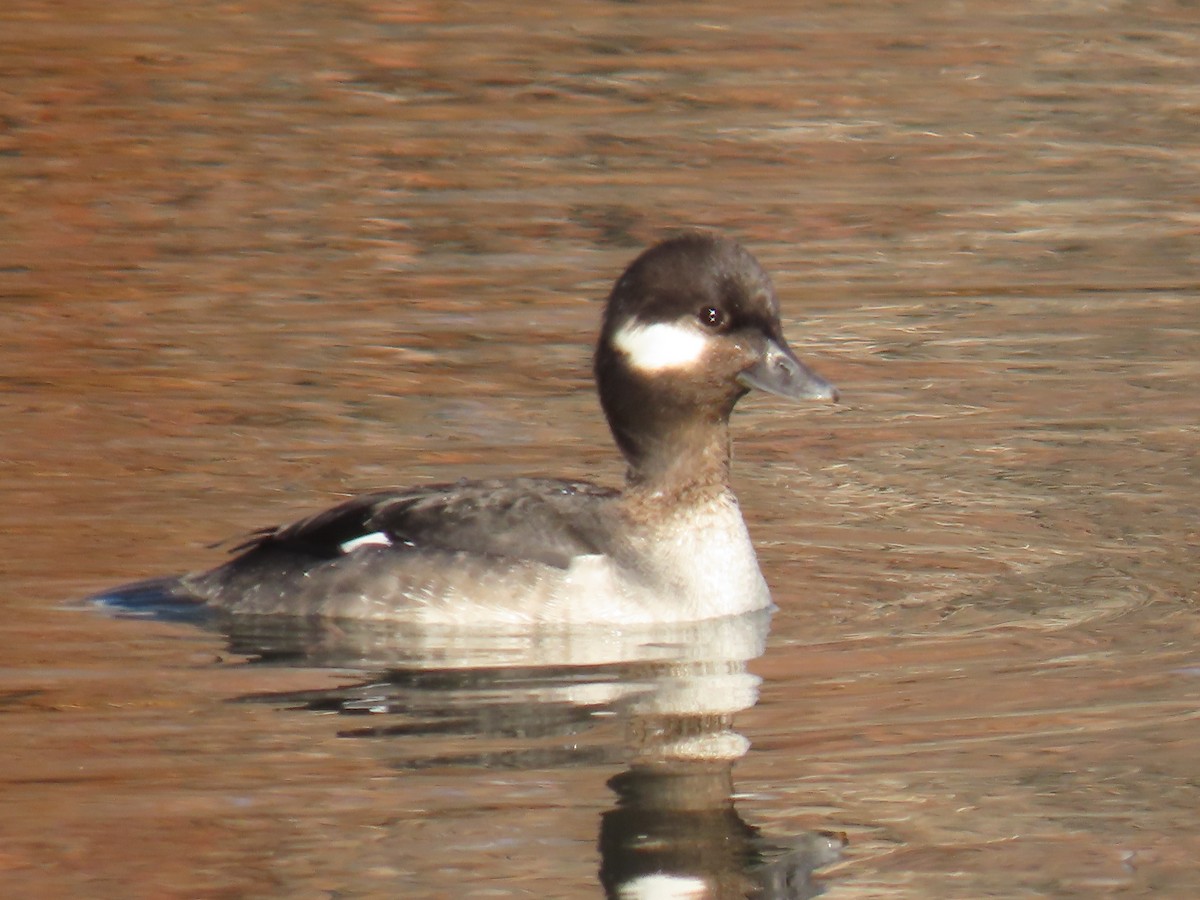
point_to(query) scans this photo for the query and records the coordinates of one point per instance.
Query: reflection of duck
(673, 689)
(659, 699)
(689, 328)
(676, 834)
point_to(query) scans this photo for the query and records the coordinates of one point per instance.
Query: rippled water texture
(254, 255)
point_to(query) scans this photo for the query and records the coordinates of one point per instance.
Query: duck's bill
(779, 372)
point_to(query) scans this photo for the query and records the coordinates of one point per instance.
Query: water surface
(258, 255)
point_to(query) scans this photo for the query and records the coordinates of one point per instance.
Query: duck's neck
(672, 428)
(684, 465)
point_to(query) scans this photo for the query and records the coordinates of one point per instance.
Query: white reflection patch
(661, 886)
(376, 538)
(661, 346)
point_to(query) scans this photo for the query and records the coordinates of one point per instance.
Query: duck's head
(689, 328)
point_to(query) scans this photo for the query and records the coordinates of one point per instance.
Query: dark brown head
(690, 327)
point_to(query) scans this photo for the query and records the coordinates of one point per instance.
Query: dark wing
(544, 520)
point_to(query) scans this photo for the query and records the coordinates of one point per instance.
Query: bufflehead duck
(689, 328)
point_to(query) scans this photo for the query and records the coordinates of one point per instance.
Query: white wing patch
(376, 538)
(661, 346)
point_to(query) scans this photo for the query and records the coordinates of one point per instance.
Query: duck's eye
(711, 317)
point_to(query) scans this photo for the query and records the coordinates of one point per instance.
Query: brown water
(257, 254)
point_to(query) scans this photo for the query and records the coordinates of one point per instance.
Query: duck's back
(440, 552)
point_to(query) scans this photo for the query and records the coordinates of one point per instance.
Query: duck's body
(689, 328)
(498, 552)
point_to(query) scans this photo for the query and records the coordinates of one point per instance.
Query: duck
(689, 328)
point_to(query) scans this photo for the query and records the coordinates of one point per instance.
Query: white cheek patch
(377, 538)
(661, 886)
(661, 346)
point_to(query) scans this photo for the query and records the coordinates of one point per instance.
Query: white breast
(708, 555)
(697, 565)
